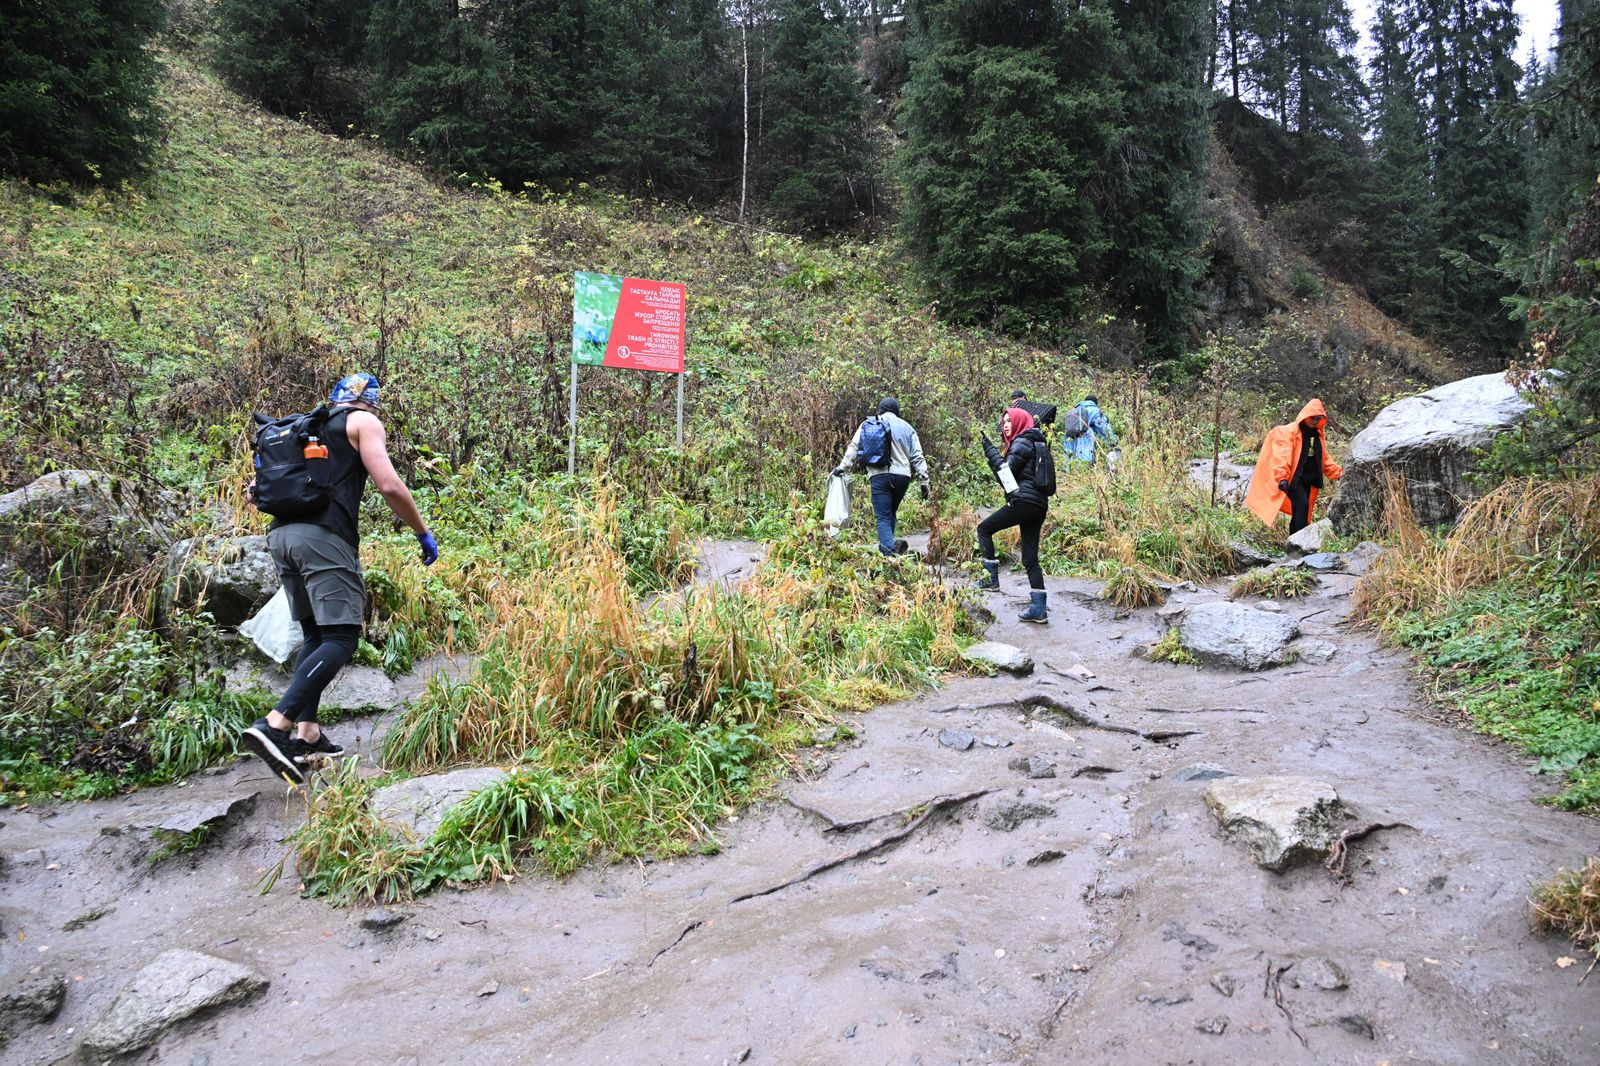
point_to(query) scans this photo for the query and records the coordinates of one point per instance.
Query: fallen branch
(1205, 710)
(1275, 987)
(934, 806)
(1338, 859)
(691, 927)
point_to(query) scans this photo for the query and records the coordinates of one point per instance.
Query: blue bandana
(362, 388)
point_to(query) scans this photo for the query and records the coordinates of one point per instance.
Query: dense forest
(1040, 161)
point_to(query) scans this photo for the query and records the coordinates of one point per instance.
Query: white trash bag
(837, 510)
(275, 632)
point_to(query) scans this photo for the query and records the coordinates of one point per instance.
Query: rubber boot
(1036, 610)
(990, 581)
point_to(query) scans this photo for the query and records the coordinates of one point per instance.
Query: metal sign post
(680, 410)
(572, 423)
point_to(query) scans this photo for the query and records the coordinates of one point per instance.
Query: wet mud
(1092, 916)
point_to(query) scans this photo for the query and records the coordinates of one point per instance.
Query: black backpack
(294, 476)
(1043, 471)
(1074, 425)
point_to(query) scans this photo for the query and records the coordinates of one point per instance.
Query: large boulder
(34, 1000)
(1004, 657)
(176, 986)
(420, 803)
(93, 525)
(1432, 440)
(232, 577)
(355, 688)
(1236, 636)
(1233, 479)
(1281, 820)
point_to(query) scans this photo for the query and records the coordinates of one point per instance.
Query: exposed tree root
(929, 809)
(1045, 701)
(691, 927)
(1338, 859)
(1274, 989)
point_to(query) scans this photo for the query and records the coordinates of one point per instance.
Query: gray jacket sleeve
(853, 450)
(919, 465)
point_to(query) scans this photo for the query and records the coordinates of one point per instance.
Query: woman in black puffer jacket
(1028, 474)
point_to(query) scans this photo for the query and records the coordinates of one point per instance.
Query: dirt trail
(1089, 932)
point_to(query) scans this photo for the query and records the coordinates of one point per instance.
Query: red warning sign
(647, 332)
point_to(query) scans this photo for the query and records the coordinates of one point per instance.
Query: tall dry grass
(1505, 534)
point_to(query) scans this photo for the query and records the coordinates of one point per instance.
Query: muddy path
(1093, 916)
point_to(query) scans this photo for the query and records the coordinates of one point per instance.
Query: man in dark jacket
(1027, 474)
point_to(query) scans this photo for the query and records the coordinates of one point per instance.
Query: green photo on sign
(594, 309)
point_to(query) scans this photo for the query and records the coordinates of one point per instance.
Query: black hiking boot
(990, 581)
(306, 752)
(273, 747)
(1036, 611)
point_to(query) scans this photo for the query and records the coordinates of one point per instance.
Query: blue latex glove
(430, 548)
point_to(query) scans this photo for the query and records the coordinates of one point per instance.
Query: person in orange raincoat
(1292, 467)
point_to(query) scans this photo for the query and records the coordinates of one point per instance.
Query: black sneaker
(273, 747)
(324, 747)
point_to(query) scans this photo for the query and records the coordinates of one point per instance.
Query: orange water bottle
(315, 449)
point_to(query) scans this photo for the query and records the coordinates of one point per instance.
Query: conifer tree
(437, 83)
(77, 88)
(293, 56)
(813, 144)
(1156, 226)
(1011, 112)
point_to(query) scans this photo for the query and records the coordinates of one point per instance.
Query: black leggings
(1029, 520)
(1300, 500)
(326, 651)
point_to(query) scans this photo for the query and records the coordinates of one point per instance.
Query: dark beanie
(1091, 398)
(889, 405)
(1019, 395)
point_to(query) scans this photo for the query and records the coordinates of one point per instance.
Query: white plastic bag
(276, 633)
(837, 510)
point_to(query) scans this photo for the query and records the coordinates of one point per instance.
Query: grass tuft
(1274, 582)
(1170, 649)
(1133, 586)
(1570, 904)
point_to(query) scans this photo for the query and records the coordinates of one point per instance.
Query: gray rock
(1215, 1025)
(1003, 657)
(488, 988)
(379, 920)
(1314, 651)
(1201, 771)
(1281, 820)
(108, 525)
(176, 986)
(1233, 479)
(1360, 561)
(958, 739)
(232, 577)
(1009, 814)
(1320, 972)
(1323, 562)
(1235, 636)
(1309, 539)
(1046, 856)
(1247, 556)
(1223, 983)
(184, 817)
(31, 1001)
(1165, 997)
(1432, 441)
(1035, 766)
(420, 803)
(357, 688)
(1270, 606)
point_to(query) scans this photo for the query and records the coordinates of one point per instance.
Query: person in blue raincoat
(1094, 424)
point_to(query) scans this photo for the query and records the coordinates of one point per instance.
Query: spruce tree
(293, 56)
(1154, 207)
(1397, 204)
(813, 143)
(1012, 113)
(77, 88)
(437, 83)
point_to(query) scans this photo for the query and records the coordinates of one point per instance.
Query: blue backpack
(874, 449)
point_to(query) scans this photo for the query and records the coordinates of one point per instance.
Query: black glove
(838, 471)
(924, 488)
(1283, 486)
(985, 438)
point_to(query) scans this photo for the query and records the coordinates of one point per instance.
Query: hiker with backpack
(1081, 426)
(1027, 473)
(311, 471)
(889, 448)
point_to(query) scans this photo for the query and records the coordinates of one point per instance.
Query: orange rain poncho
(1280, 457)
